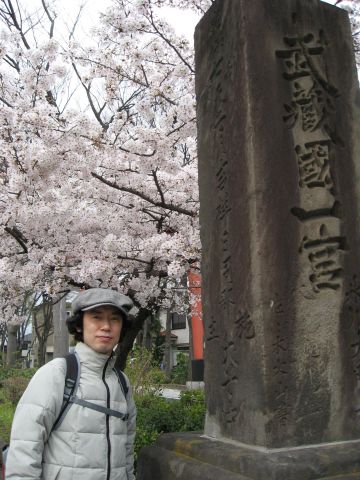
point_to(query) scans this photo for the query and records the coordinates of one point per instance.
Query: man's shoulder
(57, 363)
(55, 366)
(46, 386)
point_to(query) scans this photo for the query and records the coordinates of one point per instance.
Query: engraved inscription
(280, 354)
(352, 308)
(226, 296)
(313, 97)
(244, 327)
(231, 381)
(212, 329)
(324, 259)
(229, 328)
(314, 165)
(311, 117)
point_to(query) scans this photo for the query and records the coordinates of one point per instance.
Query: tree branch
(133, 259)
(51, 19)
(97, 115)
(5, 102)
(167, 206)
(156, 180)
(11, 12)
(10, 61)
(169, 43)
(18, 236)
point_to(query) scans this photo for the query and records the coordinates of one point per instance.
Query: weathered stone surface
(279, 192)
(279, 171)
(191, 456)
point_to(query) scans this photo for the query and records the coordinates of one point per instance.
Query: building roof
(163, 334)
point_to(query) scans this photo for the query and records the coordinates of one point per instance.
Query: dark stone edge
(308, 463)
(157, 463)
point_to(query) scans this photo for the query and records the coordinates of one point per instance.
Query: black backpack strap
(122, 380)
(5, 451)
(99, 408)
(71, 384)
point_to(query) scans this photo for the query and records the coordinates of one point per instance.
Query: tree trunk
(12, 345)
(28, 303)
(3, 337)
(145, 333)
(41, 353)
(167, 353)
(43, 326)
(126, 344)
(61, 334)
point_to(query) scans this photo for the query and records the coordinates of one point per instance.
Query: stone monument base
(191, 456)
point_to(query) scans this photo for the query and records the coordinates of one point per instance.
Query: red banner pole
(196, 314)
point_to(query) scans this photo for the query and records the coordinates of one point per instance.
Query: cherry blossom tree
(108, 195)
(98, 164)
(353, 9)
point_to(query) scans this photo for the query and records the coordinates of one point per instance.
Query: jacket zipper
(107, 421)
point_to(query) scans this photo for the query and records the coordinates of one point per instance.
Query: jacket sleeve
(131, 430)
(34, 417)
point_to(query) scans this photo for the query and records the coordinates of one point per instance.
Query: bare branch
(65, 292)
(18, 236)
(137, 153)
(10, 61)
(72, 282)
(10, 13)
(71, 34)
(167, 206)
(134, 259)
(51, 19)
(87, 89)
(5, 102)
(180, 127)
(166, 40)
(159, 189)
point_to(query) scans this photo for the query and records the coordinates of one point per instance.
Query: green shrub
(158, 376)
(144, 375)
(193, 410)
(7, 411)
(14, 387)
(156, 415)
(180, 373)
(13, 382)
(9, 372)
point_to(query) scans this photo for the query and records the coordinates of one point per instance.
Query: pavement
(173, 392)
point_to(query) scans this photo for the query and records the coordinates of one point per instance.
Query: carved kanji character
(324, 259)
(314, 165)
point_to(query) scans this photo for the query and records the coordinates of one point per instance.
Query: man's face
(101, 328)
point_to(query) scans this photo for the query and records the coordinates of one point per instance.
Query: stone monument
(279, 171)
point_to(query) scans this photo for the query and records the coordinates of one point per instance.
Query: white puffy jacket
(87, 445)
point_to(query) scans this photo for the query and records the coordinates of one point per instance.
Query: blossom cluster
(98, 182)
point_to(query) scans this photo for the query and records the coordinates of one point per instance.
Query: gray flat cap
(97, 297)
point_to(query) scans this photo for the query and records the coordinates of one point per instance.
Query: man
(85, 443)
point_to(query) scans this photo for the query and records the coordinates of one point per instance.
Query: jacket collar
(94, 360)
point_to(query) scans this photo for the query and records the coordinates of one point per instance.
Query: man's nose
(105, 324)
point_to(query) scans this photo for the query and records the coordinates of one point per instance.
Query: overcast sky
(183, 21)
